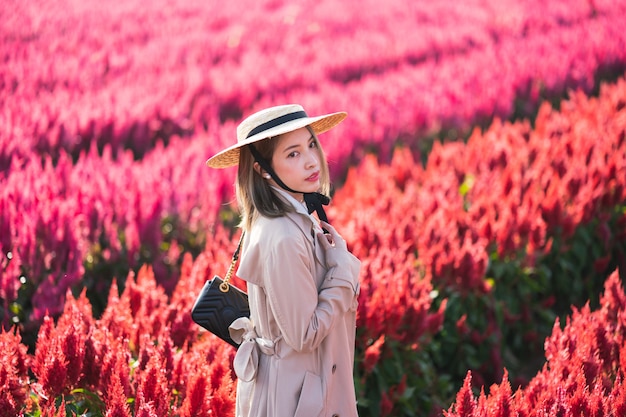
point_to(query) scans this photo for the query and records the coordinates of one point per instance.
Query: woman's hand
(334, 246)
(334, 239)
(343, 267)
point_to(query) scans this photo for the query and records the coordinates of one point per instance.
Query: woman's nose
(312, 159)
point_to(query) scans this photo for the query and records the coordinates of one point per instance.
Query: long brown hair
(255, 195)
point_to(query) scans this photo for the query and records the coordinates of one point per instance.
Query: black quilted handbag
(220, 303)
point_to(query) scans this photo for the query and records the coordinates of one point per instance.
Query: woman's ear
(257, 168)
(261, 171)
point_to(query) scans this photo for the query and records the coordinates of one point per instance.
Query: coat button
(334, 368)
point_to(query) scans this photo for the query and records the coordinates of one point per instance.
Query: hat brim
(230, 156)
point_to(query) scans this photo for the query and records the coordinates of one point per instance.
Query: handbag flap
(215, 310)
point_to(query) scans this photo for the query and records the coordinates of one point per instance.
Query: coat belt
(246, 360)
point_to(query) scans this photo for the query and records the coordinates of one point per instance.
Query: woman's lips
(314, 177)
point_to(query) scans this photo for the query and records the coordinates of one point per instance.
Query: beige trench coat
(297, 352)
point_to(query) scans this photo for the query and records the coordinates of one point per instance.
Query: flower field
(480, 177)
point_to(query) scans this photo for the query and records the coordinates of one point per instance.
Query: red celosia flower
(197, 392)
(145, 408)
(50, 410)
(222, 399)
(372, 354)
(461, 325)
(465, 402)
(386, 404)
(115, 357)
(13, 372)
(72, 329)
(617, 399)
(117, 402)
(500, 398)
(50, 365)
(600, 264)
(153, 393)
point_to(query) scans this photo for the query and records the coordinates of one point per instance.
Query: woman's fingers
(334, 237)
(328, 227)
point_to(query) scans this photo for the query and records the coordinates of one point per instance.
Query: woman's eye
(292, 154)
(313, 144)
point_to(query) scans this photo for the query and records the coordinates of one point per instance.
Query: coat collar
(305, 221)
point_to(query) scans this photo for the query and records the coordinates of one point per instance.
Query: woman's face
(296, 161)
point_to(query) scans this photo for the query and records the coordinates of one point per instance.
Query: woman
(297, 349)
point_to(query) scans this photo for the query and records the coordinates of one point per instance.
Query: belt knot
(246, 360)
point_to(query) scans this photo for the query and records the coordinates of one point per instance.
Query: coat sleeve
(303, 316)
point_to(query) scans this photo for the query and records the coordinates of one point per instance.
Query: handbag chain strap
(225, 286)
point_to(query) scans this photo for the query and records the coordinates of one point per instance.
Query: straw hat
(271, 122)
